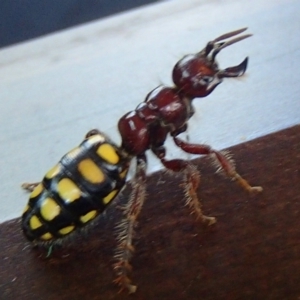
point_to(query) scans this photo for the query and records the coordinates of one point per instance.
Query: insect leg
(190, 183)
(223, 162)
(29, 186)
(125, 229)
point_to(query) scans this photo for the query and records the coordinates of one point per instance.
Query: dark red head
(197, 75)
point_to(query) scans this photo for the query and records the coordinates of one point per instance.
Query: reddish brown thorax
(166, 110)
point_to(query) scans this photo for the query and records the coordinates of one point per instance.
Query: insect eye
(205, 80)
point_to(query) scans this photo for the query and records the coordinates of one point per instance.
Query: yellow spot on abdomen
(26, 208)
(109, 197)
(53, 172)
(66, 230)
(108, 153)
(89, 216)
(47, 236)
(34, 223)
(90, 171)
(68, 190)
(123, 173)
(49, 209)
(37, 190)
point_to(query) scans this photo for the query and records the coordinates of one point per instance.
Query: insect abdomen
(75, 191)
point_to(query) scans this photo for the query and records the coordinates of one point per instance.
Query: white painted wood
(54, 89)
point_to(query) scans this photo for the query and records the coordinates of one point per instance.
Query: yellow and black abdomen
(75, 191)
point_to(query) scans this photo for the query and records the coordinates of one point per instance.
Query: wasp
(78, 189)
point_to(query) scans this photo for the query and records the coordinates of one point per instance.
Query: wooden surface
(253, 252)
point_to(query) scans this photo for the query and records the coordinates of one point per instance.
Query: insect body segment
(79, 188)
(76, 190)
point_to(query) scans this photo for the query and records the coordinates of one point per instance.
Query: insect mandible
(88, 178)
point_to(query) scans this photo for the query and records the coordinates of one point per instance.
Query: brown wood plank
(253, 252)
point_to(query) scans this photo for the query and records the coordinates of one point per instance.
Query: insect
(88, 178)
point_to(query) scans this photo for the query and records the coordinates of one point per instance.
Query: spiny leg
(29, 186)
(125, 229)
(190, 184)
(223, 162)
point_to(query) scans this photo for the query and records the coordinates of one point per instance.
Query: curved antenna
(229, 34)
(221, 46)
(217, 46)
